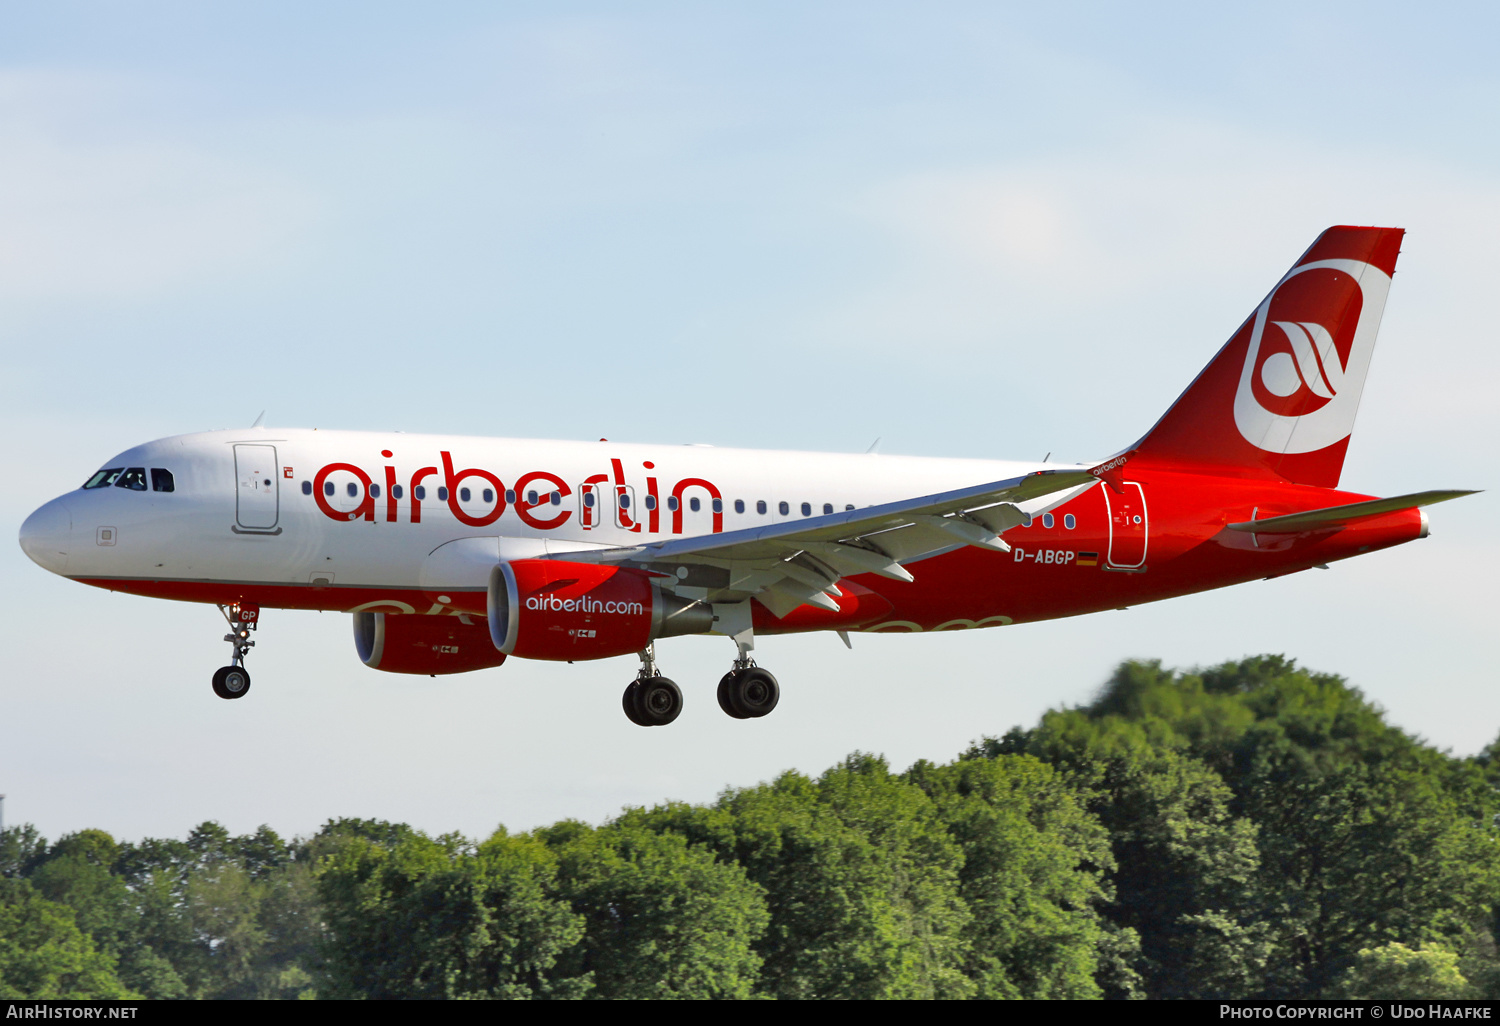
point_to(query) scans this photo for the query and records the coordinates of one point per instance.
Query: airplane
(454, 553)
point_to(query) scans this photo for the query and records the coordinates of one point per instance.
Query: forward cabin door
(1128, 526)
(257, 499)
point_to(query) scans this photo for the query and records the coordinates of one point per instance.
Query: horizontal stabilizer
(1338, 516)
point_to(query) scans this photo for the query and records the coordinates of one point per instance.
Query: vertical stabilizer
(1279, 399)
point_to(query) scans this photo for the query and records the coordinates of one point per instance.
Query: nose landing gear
(233, 681)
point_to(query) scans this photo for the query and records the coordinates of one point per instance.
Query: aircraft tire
(752, 692)
(726, 685)
(628, 703)
(231, 681)
(658, 701)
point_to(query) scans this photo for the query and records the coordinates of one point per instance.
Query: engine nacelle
(412, 643)
(552, 609)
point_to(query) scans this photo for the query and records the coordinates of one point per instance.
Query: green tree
(1182, 862)
(663, 919)
(44, 955)
(424, 918)
(860, 877)
(1034, 862)
(1395, 972)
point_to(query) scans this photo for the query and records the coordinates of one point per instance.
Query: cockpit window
(161, 480)
(104, 478)
(133, 478)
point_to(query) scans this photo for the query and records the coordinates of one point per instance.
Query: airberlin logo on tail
(1301, 382)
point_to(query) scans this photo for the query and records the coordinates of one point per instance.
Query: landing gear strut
(651, 700)
(233, 681)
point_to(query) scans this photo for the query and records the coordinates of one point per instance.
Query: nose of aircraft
(46, 535)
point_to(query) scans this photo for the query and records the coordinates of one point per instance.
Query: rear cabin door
(257, 503)
(1128, 526)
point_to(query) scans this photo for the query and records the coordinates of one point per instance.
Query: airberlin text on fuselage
(542, 483)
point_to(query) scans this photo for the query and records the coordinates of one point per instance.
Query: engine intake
(553, 609)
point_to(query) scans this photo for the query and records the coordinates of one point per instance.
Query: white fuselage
(329, 509)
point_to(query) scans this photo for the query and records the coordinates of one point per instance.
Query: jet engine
(411, 643)
(553, 609)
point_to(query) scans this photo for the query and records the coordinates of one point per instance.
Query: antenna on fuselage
(873, 446)
(259, 419)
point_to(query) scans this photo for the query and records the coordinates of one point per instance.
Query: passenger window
(672, 503)
(650, 502)
(161, 480)
(396, 491)
(104, 478)
(694, 504)
(442, 494)
(419, 492)
(557, 498)
(739, 505)
(134, 479)
(353, 490)
(807, 509)
(588, 498)
(463, 495)
(374, 491)
(328, 488)
(848, 507)
(718, 505)
(1047, 520)
(530, 498)
(760, 505)
(1025, 519)
(1069, 521)
(306, 487)
(783, 507)
(624, 501)
(827, 508)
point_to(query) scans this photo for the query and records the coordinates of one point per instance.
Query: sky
(982, 230)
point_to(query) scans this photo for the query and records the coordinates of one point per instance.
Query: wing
(788, 564)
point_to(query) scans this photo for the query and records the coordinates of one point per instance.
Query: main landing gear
(233, 681)
(652, 700)
(747, 692)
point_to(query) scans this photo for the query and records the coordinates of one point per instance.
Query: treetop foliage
(1249, 829)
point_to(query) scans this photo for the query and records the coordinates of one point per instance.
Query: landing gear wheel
(629, 701)
(748, 693)
(653, 702)
(726, 683)
(231, 682)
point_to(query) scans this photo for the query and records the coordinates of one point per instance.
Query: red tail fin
(1279, 399)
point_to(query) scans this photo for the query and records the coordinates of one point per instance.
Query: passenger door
(257, 497)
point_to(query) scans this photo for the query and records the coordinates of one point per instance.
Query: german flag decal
(1088, 559)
